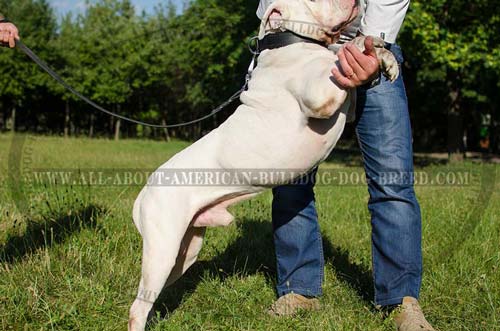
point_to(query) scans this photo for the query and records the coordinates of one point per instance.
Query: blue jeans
(384, 135)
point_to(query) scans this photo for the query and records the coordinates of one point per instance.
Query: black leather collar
(282, 39)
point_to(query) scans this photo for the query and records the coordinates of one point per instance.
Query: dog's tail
(136, 212)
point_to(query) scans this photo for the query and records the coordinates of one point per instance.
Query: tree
(107, 62)
(156, 85)
(208, 55)
(170, 67)
(21, 82)
(67, 64)
(453, 53)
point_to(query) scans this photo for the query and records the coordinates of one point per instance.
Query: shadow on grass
(356, 276)
(425, 161)
(50, 230)
(252, 253)
(249, 254)
(349, 157)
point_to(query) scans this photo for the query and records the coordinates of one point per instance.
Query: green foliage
(199, 60)
(453, 69)
(455, 43)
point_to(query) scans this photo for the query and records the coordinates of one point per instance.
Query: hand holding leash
(8, 33)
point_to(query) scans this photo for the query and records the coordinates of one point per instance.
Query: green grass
(70, 255)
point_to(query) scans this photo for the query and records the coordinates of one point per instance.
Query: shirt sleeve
(384, 16)
(261, 10)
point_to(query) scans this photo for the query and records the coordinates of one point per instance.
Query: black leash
(61, 81)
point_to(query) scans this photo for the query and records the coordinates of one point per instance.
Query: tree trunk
(117, 129)
(456, 148)
(13, 120)
(91, 128)
(111, 124)
(118, 124)
(165, 130)
(67, 120)
(455, 137)
(2, 122)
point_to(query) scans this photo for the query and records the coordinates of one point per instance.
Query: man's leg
(298, 244)
(384, 134)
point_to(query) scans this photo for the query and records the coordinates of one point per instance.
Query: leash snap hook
(253, 45)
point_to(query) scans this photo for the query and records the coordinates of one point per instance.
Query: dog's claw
(392, 71)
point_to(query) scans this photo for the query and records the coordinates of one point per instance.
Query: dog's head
(321, 20)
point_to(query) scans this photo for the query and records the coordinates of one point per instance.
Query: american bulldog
(291, 117)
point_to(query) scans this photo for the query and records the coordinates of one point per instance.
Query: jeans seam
(373, 271)
(322, 256)
(278, 258)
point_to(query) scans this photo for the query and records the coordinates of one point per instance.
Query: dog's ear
(272, 19)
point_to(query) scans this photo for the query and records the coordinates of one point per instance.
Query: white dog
(291, 117)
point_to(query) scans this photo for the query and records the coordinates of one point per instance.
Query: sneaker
(409, 316)
(291, 303)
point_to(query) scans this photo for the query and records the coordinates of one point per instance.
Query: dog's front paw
(388, 63)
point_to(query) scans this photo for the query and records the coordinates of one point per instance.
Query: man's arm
(384, 17)
(8, 32)
(263, 4)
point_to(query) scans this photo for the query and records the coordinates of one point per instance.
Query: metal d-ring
(253, 45)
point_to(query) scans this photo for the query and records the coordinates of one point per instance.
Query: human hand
(358, 68)
(8, 34)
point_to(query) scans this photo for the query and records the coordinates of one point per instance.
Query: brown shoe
(409, 316)
(291, 303)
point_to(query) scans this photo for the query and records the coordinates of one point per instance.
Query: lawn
(70, 255)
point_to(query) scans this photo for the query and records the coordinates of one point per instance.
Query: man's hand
(8, 34)
(358, 68)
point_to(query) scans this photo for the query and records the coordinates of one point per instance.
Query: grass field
(70, 255)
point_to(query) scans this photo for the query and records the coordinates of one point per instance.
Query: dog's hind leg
(162, 232)
(158, 260)
(188, 253)
(215, 215)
